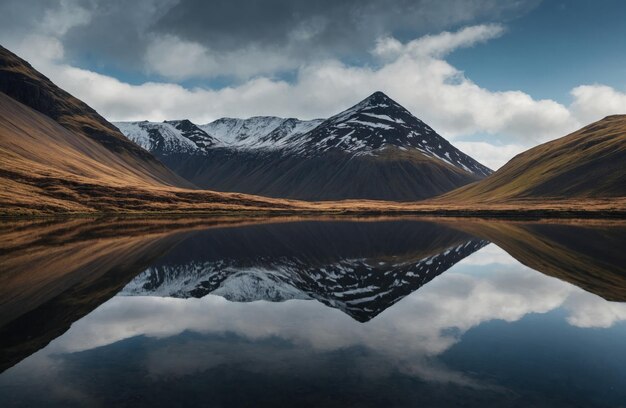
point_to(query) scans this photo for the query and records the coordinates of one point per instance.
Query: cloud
(488, 255)
(35, 29)
(437, 45)
(491, 155)
(587, 311)
(427, 85)
(68, 14)
(123, 36)
(177, 59)
(593, 102)
(295, 32)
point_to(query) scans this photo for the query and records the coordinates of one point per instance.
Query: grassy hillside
(587, 164)
(22, 83)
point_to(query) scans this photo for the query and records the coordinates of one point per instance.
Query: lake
(299, 312)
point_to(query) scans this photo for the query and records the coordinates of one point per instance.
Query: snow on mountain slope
(175, 136)
(378, 122)
(258, 132)
(182, 136)
(241, 132)
(289, 134)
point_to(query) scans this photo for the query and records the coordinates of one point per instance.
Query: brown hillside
(21, 82)
(587, 164)
(46, 168)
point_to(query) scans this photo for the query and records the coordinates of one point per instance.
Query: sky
(493, 77)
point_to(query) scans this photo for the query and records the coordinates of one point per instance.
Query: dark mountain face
(359, 268)
(373, 150)
(393, 175)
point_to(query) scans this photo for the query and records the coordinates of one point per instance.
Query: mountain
(373, 150)
(359, 268)
(77, 130)
(361, 288)
(182, 136)
(57, 155)
(587, 164)
(377, 123)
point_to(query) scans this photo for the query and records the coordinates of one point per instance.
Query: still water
(384, 312)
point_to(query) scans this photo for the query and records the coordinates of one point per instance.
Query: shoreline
(496, 214)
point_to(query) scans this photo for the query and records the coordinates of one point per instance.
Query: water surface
(406, 312)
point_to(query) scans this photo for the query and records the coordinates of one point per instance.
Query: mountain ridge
(66, 159)
(375, 149)
(58, 155)
(321, 135)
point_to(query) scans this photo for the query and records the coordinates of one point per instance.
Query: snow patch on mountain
(259, 132)
(176, 136)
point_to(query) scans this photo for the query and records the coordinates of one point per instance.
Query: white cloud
(41, 49)
(587, 310)
(593, 102)
(43, 45)
(492, 156)
(438, 45)
(413, 73)
(491, 254)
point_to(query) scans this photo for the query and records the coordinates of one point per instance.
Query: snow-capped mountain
(379, 122)
(182, 136)
(373, 150)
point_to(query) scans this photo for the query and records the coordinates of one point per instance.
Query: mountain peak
(376, 100)
(379, 96)
(378, 123)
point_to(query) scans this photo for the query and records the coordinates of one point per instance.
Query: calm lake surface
(357, 313)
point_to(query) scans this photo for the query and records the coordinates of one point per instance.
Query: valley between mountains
(59, 156)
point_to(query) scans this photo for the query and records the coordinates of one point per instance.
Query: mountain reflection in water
(312, 312)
